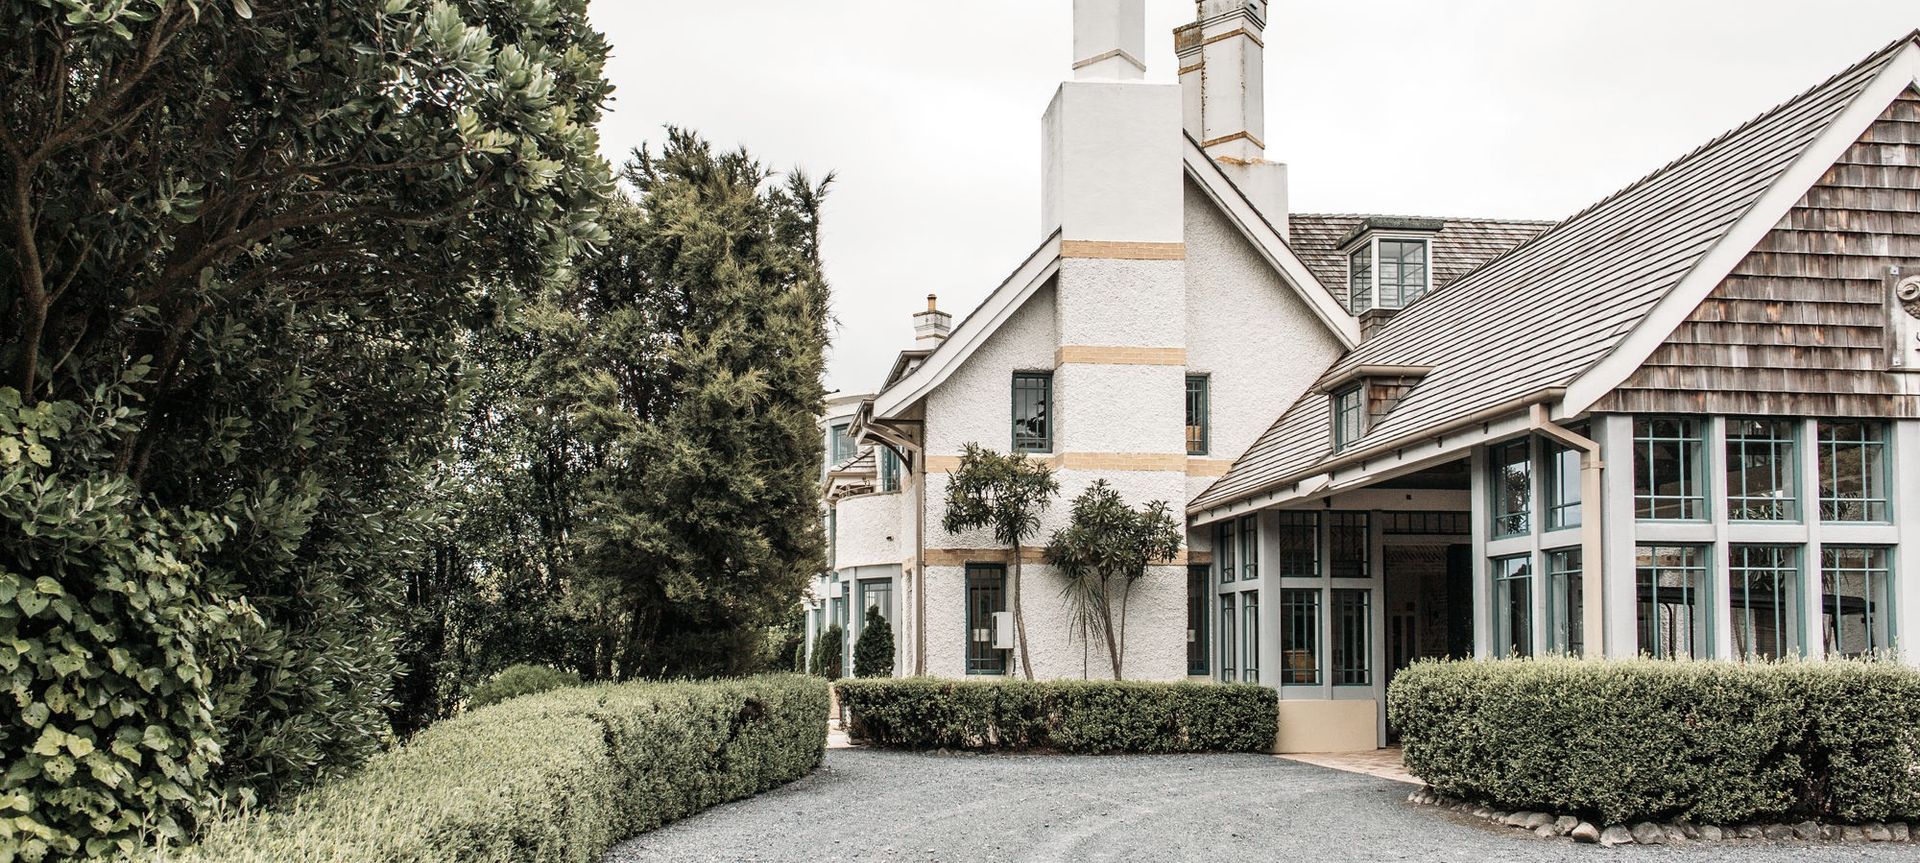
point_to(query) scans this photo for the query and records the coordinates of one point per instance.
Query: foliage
(828, 648)
(1006, 494)
(517, 680)
(1645, 739)
(559, 776)
(1069, 715)
(873, 651)
(1104, 550)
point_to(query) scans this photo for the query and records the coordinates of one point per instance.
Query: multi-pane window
(1853, 471)
(1667, 479)
(986, 597)
(889, 470)
(1033, 412)
(1349, 417)
(876, 593)
(842, 444)
(1512, 466)
(1855, 604)
(1250, 548)
(1300, 637)
(1763, 588)
(1425, 524)
(1197, 621)
(1761, 471)
(1250, 636)
(1352, 637)
(1360, 279)
(1675, 615)
(1299, 540)
(1198, 407)
(1566, 604)
(1228, 667)
(1513, 606)
(1563, 487)
(1347, 545)
(1223, 552)
(1403, 272)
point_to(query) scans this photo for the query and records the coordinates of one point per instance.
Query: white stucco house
(1684, 422)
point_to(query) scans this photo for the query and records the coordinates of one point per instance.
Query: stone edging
(1547, 826)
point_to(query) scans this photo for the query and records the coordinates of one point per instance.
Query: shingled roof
(1459, 247)
(1587, 281)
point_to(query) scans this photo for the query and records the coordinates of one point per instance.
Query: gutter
(1592, 568)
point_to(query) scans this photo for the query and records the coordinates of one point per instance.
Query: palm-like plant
(1102, 553)
(1006, 493)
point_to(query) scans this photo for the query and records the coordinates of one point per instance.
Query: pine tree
(873, 652)
(828, 650)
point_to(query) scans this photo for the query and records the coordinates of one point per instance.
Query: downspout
(1592, 566)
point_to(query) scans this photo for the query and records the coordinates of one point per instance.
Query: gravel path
(876, 805)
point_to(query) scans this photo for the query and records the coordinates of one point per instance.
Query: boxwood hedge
(558, 776)
(1710, 742)
(1070, 716)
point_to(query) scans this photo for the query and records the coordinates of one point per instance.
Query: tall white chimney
(1223, 97)
(1109, 40)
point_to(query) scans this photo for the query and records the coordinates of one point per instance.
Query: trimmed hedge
(559, 776)
(1070, 716)
(1625, 740)
(517, 680)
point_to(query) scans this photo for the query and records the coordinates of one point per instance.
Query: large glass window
(1228, 672)
(1667, 480)
(1764, 592)
(1403, 272)
(1360, 279)
(1198, 408)
(1853, 471)
(1250, 548)
(1352, 637)
(842, 444)
(1299, 637)
(1566, 603)
(1299, 540)
(1033, 412)
(1512, 465)
(1197, 621)
(1513, 606)
(1761, 471)
(1223, 552)
(1856, 603)
(876, 593)
(1563, 487)
(1250, 636)
(1674, 614)
(1349, 417)
(1347, 544)
(986, 596)
(889, 470)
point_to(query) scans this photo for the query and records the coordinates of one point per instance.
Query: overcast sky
(929, 112)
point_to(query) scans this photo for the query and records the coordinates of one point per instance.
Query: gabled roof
(1572, 299)
(1460, 245)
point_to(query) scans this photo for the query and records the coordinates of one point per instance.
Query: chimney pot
(933, 302)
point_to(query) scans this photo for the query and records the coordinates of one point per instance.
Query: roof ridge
(1407, 216)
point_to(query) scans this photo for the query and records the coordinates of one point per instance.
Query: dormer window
(1349, 417)
(1389, 263)
(1364, 395)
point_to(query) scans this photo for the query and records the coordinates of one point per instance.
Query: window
(876, 593)
(986, 596)
(1513, 606)
(842, 444)
(1250, 548)
(1250, 636)
(1197, 621)
(1563, 487)
(1360, 279)
(1760, 471)
(1349, 418)
(1299, 540)
(1853, 472)
(1856, 608)
(1300, 637)
(1764, 587)
(1675, 616)
(1223, 552)
(1228, 673)
(1566, 603)
(1512, 466)
(1347, 545)
(889, 470)
(1667, 480)
(1352, 638)
(1403, 272)
(1197, 409)
(1033, 412)
(1425, 524)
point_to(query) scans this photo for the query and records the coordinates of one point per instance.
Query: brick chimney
(1223, 97)
(932, 326)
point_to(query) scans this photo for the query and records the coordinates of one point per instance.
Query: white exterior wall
(867, 530)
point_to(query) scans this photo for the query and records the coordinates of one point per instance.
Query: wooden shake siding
(1799, 327)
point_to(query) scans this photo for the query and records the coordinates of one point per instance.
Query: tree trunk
(1106, 626)
(1120, 653)
(1020, 619)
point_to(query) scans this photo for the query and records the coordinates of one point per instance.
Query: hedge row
(559, 776)
(1709, 742)
(1070, 716)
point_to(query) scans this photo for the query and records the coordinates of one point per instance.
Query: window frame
(1884, 574)
(1228, 639)
(1789, 641)
(1250, 636)
(1199, 638)
(1510, 523)
(1783, 448)
(1300, 635)
(1400, 299)
(1703, 603)
(1692, 456)
(1345, 433)
(1355, 648)
(986, 661)
(1360, 280)
(1023, 442)
(1562, 500)
(1826, 451)
(1290, 527)
(838, 434)
(1250, 547)
(1200, 403)
(1566, 601)
(890, 466)
(1511, 572)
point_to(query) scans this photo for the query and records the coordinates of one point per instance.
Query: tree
(1004, 493)
(1105, 549)
(873, 651)
(829, 650)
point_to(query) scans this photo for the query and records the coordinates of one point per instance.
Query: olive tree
(1106, 548)
(1006, 494)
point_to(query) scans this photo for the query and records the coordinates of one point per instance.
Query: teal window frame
(1352, 636)
(1874, 566)
(1349, 417)
(1250, 548)
(1199, 579)
(986, 595)
(1513, 586)
(1229, 671)
(889, 470)
(1300, 636)
(1511, 482)
(1223, 556)
(1298, 539)
(1401, 277)
(1349, 545)
(1566, 602)
(842, 443)
(1763, 469)
(1874, 503)
(1764, 593)
(1199, 412)
(1032, 417)
(1561, 498)
(1360, 279)
(1250, 637)
(1669, 468)
(1667, 579)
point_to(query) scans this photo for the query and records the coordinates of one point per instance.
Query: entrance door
(1429, 596)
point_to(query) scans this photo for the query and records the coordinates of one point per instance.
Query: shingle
(1459, 247)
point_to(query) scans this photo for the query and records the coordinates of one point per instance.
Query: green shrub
(518, 680)
(828, 649)
(558, 776)
(1625, 740)
(873, 652)
(1071, 716)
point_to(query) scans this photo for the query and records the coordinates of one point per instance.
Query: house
(1684, 422)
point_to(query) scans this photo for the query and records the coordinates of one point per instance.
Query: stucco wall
(867, 530)
(975, 402)
(1156, 635)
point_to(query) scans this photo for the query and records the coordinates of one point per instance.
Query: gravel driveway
(876, 805)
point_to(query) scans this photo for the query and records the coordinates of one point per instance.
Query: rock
(1808, 830)
(1710, 833)
(1483, 812)
(1584, 832)
(1649, 833)
(1565, 824)
(1545, 831)
(1537, 820)
(1514, 819)
(1777, 832)
(1901, 832)
(1418, 796)
(1684, 828)
(1617, 834)
(1751, 831)
(1852, 833)
(1878, 833)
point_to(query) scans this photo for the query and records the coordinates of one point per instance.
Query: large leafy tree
(1106, 548)
(1005, 493)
